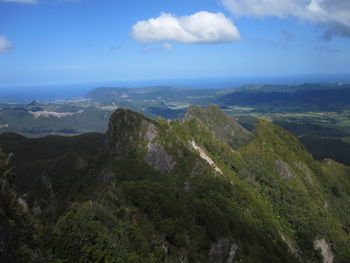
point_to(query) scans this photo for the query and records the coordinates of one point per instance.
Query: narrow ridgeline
(199, 189)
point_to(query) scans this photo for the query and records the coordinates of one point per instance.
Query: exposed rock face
(205, 157)
(158, 158)
(292, 247)
(129, 131)
(23, 204)
(232, 253)
(123, 127)
(326, 250)
(156, 155)
(222, 251)
(283, 169)
(151, 131)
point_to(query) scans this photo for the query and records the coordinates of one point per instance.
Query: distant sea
(24, 94)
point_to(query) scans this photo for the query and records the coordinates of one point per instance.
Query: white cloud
(20, 1)
(335, 14)
(5, 45)
(201, 27)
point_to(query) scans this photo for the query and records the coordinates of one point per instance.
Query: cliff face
(132, 133)
(200, 189)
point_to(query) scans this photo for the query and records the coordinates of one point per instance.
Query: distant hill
(294, 88)
(147, 93)
(289, 97)
(306, 96)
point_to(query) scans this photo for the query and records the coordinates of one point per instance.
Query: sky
(76, 41)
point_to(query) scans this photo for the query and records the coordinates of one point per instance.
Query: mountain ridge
(174, 191)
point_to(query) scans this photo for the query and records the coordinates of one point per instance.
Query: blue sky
(63, 41)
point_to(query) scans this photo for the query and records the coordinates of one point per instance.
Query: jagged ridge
(181, 191)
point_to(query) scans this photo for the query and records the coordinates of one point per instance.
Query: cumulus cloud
(20, 1)
(201, 27)
(334, 14)
(5, 45)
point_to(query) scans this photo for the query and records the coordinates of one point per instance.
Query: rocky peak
(131, 132)
(127, 130)
(224, 126)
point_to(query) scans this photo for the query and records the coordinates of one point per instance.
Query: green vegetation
(18, 238)
(323, 133)
(318, 114)
(233, 134)
(173, 191)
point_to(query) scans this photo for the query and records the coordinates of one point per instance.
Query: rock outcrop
(130, 132)
(158, 158)
(323, 245)
(223, 251)
(283, 169)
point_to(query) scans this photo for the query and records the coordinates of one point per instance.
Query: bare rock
(292, 247)
(323, 245)
(222, 251)
(23, 204)
(205, 157)
(232, 253)
(158, 158)
(151, 131)
(126, 130)
(131, 132)
(283, 169)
